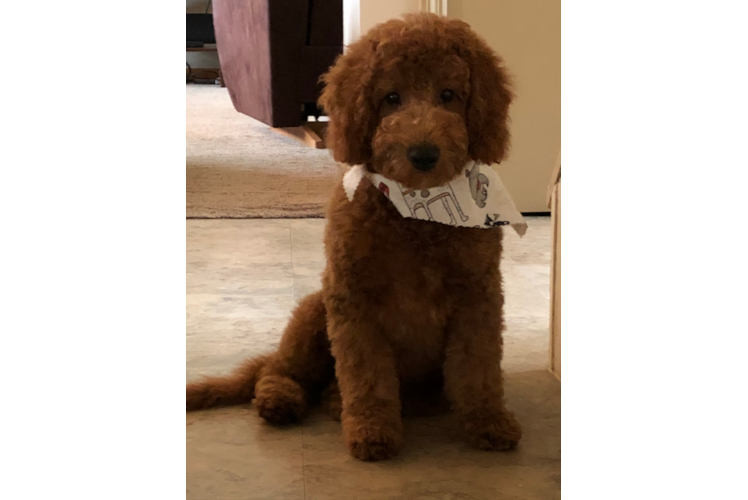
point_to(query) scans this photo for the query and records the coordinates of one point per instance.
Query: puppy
(410, 309)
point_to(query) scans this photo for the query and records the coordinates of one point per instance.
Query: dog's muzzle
(423, 156)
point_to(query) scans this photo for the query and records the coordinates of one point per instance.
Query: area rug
(238, 167)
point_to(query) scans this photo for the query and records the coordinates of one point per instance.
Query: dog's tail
(234, 389)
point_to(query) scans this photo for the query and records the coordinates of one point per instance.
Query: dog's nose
(423, 156)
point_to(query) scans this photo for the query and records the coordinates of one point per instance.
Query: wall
(360, 15)
(527, 34)
(376, 11)
(351, 21)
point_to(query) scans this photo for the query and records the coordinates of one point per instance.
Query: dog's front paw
(371, 441)
(496, 432)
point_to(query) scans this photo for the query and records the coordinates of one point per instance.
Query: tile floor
(243, 279)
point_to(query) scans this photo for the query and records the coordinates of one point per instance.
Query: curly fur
(409, 310)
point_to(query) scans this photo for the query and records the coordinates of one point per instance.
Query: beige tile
(526, 272)
(240, 291)
(243, 278)
(436, 462)
(304, 285)
(238, 256)
(308, 256)
(231, 454)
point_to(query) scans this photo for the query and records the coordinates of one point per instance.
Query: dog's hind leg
(301, 368)
(282, 383)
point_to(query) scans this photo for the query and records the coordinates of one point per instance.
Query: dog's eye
(393, 98)
(447, 95)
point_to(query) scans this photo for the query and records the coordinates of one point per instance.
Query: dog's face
(415, 99)
(421, 138)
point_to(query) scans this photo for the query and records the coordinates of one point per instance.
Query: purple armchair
(273, 52)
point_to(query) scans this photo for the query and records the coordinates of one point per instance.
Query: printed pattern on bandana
(476, 199)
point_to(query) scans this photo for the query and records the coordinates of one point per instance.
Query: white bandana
(477, 198)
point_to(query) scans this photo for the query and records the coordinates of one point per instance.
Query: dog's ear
(346, 100)
(488, 105)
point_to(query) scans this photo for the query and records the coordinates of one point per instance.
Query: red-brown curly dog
(408, 307)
